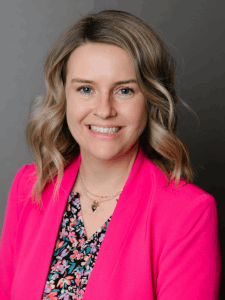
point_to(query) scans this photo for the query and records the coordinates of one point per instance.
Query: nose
(104, 106)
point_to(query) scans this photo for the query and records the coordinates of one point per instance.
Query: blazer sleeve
(190, 263)
(8, 237)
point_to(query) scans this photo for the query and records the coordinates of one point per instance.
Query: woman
(114, 213)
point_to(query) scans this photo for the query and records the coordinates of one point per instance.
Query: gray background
(194, 31)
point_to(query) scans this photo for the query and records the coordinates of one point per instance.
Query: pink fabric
(162, 243)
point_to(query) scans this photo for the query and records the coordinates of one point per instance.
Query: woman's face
(97, 93)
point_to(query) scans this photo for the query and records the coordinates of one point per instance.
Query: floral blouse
(74, 255)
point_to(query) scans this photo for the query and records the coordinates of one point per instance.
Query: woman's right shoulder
(24, 179)
(27, 170)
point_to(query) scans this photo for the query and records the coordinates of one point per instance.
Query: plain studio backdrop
(193, 30)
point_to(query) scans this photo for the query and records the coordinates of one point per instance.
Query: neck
(106, 177)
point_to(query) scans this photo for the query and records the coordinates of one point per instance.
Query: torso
(93, 220)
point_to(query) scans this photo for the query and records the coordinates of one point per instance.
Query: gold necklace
(95, 204)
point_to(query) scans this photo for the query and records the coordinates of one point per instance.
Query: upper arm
(189, 265)
(7, 243)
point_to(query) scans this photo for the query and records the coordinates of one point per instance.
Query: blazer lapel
(118, 229)
(47, 222)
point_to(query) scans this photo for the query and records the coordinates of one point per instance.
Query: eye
(126, 91)
(84, 89)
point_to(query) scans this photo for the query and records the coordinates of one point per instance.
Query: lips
(89, 127)
(102, 131)
(102, 135)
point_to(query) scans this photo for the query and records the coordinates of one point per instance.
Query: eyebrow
(92, 82)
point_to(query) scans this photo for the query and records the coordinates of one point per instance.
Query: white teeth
(110, 130)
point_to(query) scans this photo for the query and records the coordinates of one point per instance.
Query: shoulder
(161, 183)
(24, 174)
(27, 169)
(23, 183)
(178, 211)
(174, 199)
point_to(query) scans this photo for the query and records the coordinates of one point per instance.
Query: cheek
(69, 121)
(71, 114)
(75, 114)
(138, 116)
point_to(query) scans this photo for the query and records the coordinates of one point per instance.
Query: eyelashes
(128, 89)
(86, 90)
(84, 87)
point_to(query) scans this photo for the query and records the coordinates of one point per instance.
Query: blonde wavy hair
(47, 133)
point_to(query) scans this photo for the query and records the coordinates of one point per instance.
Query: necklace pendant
(94, 206)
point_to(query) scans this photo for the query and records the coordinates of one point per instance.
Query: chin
(104, 152)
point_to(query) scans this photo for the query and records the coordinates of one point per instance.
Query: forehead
(93, 59)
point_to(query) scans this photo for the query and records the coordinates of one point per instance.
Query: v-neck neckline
(73, 195)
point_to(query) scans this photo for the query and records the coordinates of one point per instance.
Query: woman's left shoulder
(189, 190)
(181, 207)
(182, 193)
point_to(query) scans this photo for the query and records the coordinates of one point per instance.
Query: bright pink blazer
(162, 242)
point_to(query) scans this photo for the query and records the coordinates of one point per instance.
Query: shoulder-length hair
(47, 132)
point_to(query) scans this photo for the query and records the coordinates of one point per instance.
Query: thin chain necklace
(95, 204)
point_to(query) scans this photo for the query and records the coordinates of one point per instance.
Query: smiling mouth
(102, 132)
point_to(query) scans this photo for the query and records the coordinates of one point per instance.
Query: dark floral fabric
(74, 255)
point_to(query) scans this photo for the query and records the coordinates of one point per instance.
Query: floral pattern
(74, 255)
